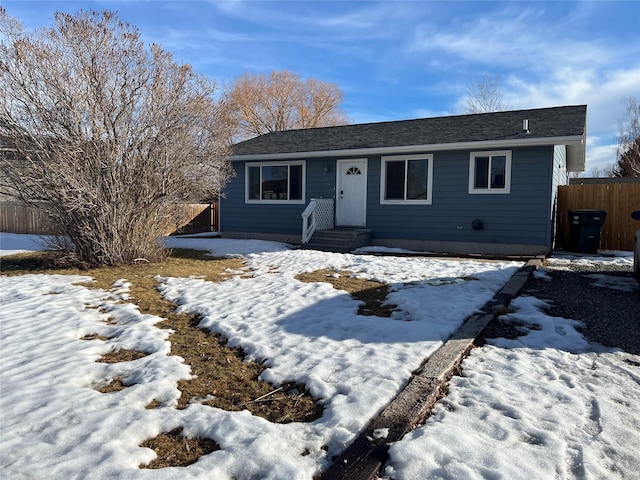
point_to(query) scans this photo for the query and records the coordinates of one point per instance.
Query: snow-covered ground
(548, 404)
(526, 398)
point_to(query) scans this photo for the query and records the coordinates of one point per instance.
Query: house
(482, 183)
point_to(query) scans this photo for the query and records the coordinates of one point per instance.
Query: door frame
(364, 162)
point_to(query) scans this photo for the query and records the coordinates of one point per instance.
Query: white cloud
(513, 37)
(546, 58)
(599, 157)
(408, 59)
(339, 21)
(602, 91)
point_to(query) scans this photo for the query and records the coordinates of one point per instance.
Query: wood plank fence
(17, 217)
(617, 199)
(201, 218)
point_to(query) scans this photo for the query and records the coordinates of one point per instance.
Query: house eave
(576, 141)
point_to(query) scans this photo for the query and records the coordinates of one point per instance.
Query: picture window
(275, 182)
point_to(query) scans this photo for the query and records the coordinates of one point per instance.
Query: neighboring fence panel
(19, 218)
(200, 218)
(617, 199)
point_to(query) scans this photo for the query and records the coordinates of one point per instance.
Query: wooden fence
(617, 199)
(16, 217)
(201, 218)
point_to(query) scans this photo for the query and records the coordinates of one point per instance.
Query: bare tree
(485, 95)
(259, 104)
(606, 171)
(628, 154)
(104, 134)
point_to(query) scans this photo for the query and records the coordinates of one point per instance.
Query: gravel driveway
(605, 297)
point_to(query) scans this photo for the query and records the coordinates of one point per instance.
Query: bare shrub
(105, 134)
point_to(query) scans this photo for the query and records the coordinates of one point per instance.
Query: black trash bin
(584, 230)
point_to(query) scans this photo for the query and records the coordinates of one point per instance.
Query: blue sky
(405, 59)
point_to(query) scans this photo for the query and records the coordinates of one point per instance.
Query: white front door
(351, 192)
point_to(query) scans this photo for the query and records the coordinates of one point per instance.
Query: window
(406, 179)
(275, 182)
(490, 172)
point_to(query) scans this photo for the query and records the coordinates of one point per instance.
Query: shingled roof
(546, 125)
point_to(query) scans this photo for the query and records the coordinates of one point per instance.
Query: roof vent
(525, 126)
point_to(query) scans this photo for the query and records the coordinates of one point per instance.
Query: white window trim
(275, 164)
(383, 179)
(489, 190)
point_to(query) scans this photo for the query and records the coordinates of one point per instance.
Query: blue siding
(521, 217)
(238, 216)
(321, 178)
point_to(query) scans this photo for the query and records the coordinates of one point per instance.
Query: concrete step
(339, 239)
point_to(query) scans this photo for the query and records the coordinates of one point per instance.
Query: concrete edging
(363, 459)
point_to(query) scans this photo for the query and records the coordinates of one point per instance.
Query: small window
(275, 182)
(490, 172)
(406, 179)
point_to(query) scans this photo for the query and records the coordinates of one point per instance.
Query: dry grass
(181, 263)
(223, 378)
(115, 385)
(153, 404)
(176, 450)
(122, 355)
(371, 293)
(95, 336)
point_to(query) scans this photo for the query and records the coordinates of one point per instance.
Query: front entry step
(339, 240)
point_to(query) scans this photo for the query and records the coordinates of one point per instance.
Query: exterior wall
(465, 248)
(285, 219)
(521, 218)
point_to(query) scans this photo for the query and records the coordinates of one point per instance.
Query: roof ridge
(568, 121)
(418, 119)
